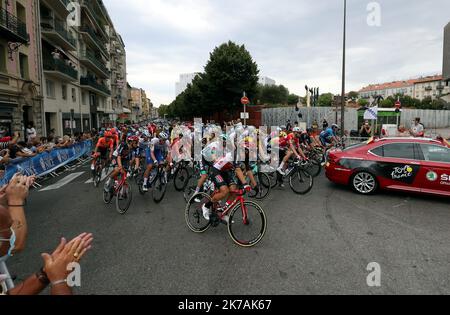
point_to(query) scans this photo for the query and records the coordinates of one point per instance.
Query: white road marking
(66, 180)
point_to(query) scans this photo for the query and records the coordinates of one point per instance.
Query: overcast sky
(295, 42)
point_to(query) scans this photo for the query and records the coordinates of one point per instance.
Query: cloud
(296, 42)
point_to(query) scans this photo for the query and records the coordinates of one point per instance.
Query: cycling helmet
(296, 129)
(334, 126)
(133, 139)
(163, 136)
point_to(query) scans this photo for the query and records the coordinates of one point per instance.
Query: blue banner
(46, 162)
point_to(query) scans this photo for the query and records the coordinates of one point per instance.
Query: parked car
(401, 164)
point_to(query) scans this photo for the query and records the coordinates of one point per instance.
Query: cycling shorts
(158, 155)
(224, 178)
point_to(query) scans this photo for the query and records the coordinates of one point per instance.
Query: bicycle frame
(239, 200)
(124, 177)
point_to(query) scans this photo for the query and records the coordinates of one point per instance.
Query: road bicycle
(122, 190)
(181, 175)
(101, 165)
(300, 180)
(158, 180)
(246, 220)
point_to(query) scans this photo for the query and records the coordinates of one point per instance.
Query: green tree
(326, 100)
(353, 95)
(363, 102)
(229, 72)
(293, 99)
(273, 95)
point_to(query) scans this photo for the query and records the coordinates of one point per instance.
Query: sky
(295, 42)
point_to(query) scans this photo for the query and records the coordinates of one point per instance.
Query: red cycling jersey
(292, 138)
(103, 143)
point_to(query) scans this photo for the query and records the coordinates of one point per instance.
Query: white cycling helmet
(296, 129)
(163, 136)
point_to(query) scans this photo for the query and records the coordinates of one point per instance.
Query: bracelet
(53, 284)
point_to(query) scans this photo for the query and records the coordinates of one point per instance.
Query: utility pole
(343, 70)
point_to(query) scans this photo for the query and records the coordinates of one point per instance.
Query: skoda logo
(432, 176)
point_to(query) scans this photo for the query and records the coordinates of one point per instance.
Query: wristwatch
(42, 277)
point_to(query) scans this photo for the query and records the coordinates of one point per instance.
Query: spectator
(325, 124)
(7, 142)
(366, 130)
(20, 150)
(13, 234)
(4, 157)
(3, 132)
(31, 132)
(56, 54)
(417, 129)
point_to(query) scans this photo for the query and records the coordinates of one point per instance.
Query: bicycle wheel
(108, 195)
(301, 182)
(314, 168)
(181, 178)
(264, 186)
(159, 188)
(97, 177)
(251, 231)
(194, 213)
(273, 179)
(124, 198)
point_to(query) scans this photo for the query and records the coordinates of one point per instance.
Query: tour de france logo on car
(402, 172)
(432, 176)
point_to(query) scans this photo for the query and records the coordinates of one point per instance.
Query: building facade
(266, 81)
(84, 66)
(20, 84)
(420, 88)
(185, 80)
(432, 87)
(388, 89)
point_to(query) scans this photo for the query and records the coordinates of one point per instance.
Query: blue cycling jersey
(328, 133)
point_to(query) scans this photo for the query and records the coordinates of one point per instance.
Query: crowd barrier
(47, 162)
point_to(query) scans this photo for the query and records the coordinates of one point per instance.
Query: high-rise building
(266, 81)
(20, 84)
(185, 80)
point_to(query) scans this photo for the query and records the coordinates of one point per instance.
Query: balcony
(428, 88)
(89, 59)
(59, 6)
(56, 31)
(59, 69)
(12, 29)
(92, 85)
(89, 7)
(94, 39)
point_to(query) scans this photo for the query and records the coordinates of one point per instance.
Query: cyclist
(225, 177)
(156, 154)
(292, 143)
(135, 152)
(329, 136)
(123, 158)
(101, 149)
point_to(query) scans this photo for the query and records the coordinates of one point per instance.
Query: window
(434, 153)
(83, 98)
(23, 63)
(64, 92)
(399, 151)
(50, 88)
(74, 95)
(378, 151)
(2, 58)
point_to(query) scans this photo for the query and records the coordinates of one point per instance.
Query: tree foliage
(229, 72)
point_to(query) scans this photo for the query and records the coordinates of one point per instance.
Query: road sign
(398, 104)
(245, 100)
(245, 116)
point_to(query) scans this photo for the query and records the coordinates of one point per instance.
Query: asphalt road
(320, 243)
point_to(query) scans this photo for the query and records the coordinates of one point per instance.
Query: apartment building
(446, 61)
(185, 80)
(420, 88)
(432, 86)
(84, 65)
(20, 85)
(266, 81)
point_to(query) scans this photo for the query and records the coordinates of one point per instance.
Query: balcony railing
(52, 64)
(100, 41)
(88, 55)
(90, 81)
(14, 25)
(52, 25)
(91, 9)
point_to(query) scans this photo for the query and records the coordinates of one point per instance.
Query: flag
(371, 113)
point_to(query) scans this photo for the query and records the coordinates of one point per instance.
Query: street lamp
(343, 70)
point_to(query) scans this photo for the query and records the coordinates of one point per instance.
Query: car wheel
(364, 183)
